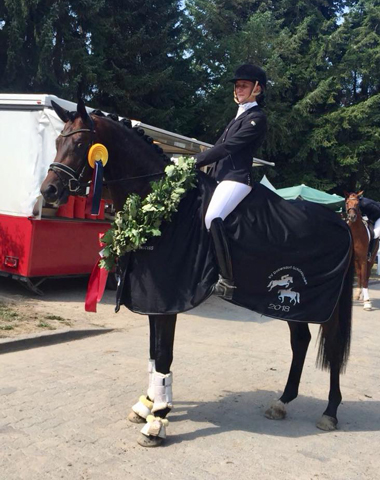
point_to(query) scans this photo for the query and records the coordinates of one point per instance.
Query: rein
(126, 179)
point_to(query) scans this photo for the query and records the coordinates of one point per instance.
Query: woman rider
(231, 157)
(371, 210)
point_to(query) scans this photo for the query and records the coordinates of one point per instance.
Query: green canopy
(303, 192)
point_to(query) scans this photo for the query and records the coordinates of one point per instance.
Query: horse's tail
(338, 331)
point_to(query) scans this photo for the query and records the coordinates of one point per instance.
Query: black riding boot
(225, 286)
(371, 248)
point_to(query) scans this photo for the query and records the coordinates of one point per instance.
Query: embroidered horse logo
(294, 297)
(284, 281)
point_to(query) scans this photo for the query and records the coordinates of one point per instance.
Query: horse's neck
(358, 227)
(130, 157)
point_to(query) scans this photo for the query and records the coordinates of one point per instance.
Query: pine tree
(47, 45)
(345, 140)
(142, 71)
(323, 70)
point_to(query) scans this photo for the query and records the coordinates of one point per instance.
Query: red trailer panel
(48, 247)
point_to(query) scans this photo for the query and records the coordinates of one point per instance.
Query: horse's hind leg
(331, 344)
(299, 339)
(159, 395)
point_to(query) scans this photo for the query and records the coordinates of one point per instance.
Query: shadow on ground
(244, 411)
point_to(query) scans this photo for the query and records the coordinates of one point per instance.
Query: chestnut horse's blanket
(289, 258)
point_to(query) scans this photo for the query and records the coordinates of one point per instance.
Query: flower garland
(140, 219)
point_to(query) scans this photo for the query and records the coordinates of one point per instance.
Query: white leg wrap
(163, 396)
(143, 407)
(365, 294)
(155, 426)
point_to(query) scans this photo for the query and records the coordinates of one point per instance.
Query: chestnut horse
(361, 241)
(132, 156)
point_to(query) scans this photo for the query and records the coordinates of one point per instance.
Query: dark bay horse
(131, 155)
(361, 241)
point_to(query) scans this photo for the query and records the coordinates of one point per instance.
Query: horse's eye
(79, 145)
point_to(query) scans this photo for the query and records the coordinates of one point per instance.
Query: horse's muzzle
(53, 194)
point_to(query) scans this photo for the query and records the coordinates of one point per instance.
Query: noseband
(70, 178)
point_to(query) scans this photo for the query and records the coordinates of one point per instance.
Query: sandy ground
(63, 406)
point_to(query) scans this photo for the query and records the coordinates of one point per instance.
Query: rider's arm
(250, 131)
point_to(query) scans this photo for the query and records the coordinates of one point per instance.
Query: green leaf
(140, 219)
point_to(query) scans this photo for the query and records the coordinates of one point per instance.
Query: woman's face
(243, 89)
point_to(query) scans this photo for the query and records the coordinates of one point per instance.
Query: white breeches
(376, 228)
(227, 196)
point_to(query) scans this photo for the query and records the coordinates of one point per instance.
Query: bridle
(72, 179)
(354, 209)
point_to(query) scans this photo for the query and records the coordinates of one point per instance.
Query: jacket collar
(244, 114)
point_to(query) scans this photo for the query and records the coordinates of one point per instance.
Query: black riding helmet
(253, 73)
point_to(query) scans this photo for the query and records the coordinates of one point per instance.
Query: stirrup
(224, 288)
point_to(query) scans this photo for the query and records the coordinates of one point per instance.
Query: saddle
(289, 258)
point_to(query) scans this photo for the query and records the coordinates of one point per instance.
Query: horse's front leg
(154, 407)
(359, 277)
(299, 338)
(366, 271)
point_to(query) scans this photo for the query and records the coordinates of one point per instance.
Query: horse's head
(70, 170)
(352, 205)
(136, 160)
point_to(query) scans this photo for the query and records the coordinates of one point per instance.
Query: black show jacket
(370, 208)
(233, 152)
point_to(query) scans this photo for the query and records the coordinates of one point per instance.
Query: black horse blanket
(289, 258)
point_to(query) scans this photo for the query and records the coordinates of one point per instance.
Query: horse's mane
(126, 122)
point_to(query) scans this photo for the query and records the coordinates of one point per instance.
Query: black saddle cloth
(289, 258)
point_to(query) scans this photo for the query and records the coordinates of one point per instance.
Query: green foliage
(141, 219)
(143, 72)
(168, 64)
(47, 45)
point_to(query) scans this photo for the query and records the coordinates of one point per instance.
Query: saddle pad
(289, 259)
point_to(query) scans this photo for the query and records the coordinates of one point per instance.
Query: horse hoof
(276, 411)
(357, 294)
(367, 306)
(326, 423)
(134, 418)
(149, 441)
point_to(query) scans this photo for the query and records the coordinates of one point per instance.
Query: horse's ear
(81, 109)
(359, 194)
(346, 194)
(63, 114)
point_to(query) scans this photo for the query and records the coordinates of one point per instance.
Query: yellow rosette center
(97, 152)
